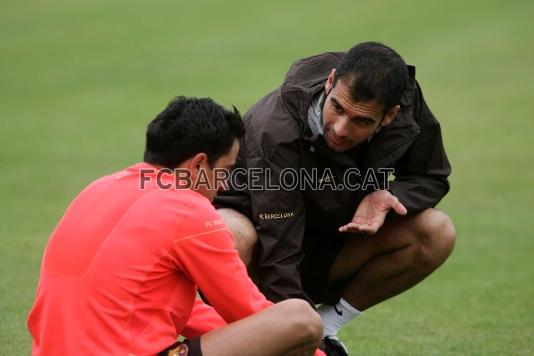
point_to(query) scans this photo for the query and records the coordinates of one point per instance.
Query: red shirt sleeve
(204, 251)
(202, 320)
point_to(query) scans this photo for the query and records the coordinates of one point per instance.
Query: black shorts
(319, 256)
(188, 347)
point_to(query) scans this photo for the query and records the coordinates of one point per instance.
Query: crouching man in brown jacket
(359, 227)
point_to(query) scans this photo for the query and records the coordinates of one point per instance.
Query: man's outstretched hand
(372, 212)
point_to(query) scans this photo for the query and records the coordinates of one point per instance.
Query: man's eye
(337, 108)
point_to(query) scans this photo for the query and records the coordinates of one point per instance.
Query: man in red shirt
(121, 270)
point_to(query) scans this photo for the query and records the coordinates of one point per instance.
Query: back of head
(188, 126)
(374, 71)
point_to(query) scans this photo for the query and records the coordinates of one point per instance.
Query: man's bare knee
(436, 236)
(302, 320)
(245, 236)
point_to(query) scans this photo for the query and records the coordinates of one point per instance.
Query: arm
(206, 254)
(279, 247)
(271, 144)
(279, 217)
(421, 174)
(202, 320)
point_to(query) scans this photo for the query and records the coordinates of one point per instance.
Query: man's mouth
(336, 141)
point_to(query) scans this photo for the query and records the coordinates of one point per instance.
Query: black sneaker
(332, 346)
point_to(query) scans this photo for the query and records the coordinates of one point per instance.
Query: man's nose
(341, 128)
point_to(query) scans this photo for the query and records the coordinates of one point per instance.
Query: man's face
(348, 123)
(226, 162)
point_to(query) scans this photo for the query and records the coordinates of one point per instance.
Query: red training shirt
(120, 272)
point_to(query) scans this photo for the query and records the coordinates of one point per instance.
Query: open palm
(371, 213)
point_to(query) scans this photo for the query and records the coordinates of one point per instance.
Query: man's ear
(330, 81)
(196, 163)
(391, 115)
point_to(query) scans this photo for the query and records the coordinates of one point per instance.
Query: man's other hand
(372, 212)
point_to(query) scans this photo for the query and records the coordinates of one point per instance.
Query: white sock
(335, 316)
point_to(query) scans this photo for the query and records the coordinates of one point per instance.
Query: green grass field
(80, 80)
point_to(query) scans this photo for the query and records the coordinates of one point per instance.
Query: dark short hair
(373, 71)
(188, 126)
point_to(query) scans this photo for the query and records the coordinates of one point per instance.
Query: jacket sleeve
(271, 147)
(207, 256)
(421, 174)
(279, 216)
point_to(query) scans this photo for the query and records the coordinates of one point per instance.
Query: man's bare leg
(290, 327)
(245, 236)
(400, 255)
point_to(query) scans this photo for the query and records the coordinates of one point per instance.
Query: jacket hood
(305, 78)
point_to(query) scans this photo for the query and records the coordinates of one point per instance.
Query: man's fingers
(368, 229)
(350, 227)
(398, 207)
